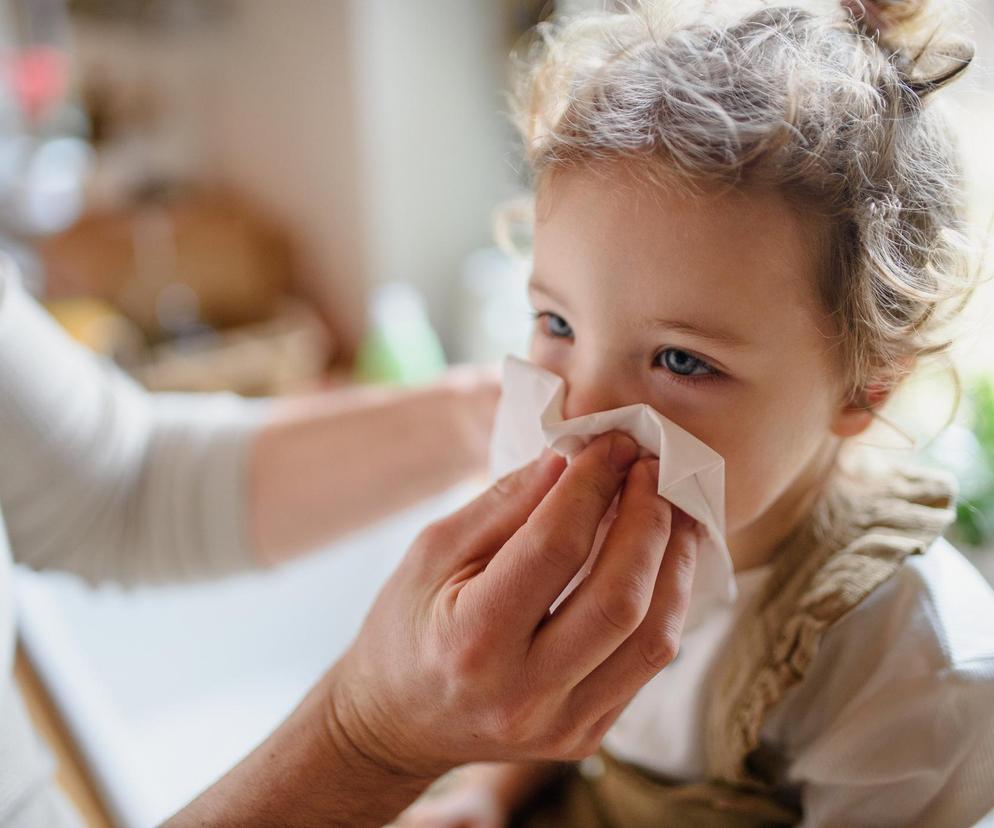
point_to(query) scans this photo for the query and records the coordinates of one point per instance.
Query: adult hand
(459, 659)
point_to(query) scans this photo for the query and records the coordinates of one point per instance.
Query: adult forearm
(307, 773)
(328, 464)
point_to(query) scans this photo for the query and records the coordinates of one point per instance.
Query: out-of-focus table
(71, 773)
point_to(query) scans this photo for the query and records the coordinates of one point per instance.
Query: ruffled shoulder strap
(856, 537)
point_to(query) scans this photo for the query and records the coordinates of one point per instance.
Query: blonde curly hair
(827, 103)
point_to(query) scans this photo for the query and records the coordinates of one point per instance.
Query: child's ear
(857, 414)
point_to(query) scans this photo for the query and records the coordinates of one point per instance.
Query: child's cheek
(548, 355)
(752, 484)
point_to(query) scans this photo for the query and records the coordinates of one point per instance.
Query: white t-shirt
(893, 724)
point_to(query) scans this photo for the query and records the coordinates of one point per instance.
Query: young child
(749, 217)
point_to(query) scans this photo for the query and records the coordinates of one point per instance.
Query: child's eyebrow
(539, 287)
(716, 335)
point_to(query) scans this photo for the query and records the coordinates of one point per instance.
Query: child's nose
(587, 395)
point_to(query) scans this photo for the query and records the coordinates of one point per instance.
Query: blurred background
(217, 192)
(269, 197)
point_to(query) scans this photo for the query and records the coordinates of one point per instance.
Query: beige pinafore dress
(855, 538)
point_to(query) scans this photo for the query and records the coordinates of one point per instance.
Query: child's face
(706, 309)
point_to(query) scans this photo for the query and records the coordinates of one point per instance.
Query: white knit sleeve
(103, 479)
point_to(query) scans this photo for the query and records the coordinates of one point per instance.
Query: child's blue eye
(681, 363)
(555, 325)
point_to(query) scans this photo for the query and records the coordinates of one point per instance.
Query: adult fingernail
(624, 451)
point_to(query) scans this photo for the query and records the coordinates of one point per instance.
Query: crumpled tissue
(691, 474)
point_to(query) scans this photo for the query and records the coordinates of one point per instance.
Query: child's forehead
(618, 205)
(740, 251)
(648, 183)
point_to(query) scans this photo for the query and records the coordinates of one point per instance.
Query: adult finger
(613, 600)
(481, 527)
(657, 640)
(536, 564)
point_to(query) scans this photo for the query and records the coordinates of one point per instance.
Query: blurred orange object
(172, 265)
(99, 327)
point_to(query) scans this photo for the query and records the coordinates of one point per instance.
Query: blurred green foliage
(975, 509)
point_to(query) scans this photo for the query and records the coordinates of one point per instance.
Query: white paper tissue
(691, 474)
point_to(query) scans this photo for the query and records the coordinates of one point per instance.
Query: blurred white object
(490, 313)
(53, 184)
(958, 450)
